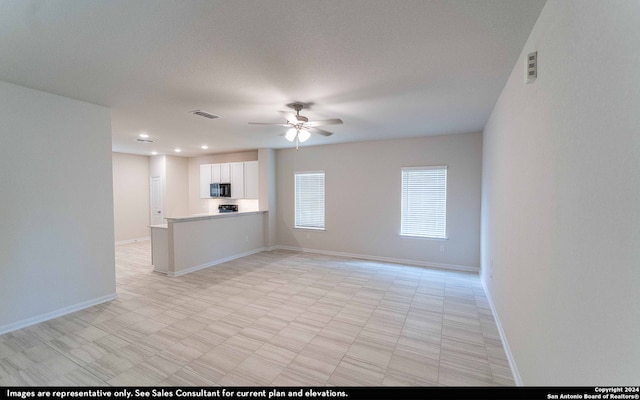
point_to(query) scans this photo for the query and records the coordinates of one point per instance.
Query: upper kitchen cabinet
(215, 173)
(237, 180)
(251, 180)
(220, 173)
(243, 177)
(225, 173)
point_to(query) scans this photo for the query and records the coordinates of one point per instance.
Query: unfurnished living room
(360, 193)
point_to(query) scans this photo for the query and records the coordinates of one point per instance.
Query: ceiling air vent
(144, 140)
(204, 114)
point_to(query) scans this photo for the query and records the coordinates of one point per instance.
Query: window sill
(304, 228)
(423, 237)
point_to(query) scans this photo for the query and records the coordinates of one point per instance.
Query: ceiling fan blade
(334, 121)
(319, 131)
(268, 123)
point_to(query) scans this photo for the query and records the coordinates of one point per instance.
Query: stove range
(225, 208)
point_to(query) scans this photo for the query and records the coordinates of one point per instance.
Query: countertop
(161, 226)
(198, 217)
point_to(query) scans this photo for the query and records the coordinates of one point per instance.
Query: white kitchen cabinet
(243, 177)
(225, 173)
(205, 180)
(237, 180)
(251, 180)
(215, 173)
(220, 173)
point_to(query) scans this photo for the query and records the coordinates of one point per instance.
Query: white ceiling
(387, 68)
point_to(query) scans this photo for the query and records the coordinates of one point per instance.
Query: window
(424, 202)
(309, 200)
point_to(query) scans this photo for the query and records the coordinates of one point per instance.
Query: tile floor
(273, 318)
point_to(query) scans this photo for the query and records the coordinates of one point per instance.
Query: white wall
(561, 199)
(56, 236)
(362, 200)
(267, 194)
(176, 186)
(130, 196)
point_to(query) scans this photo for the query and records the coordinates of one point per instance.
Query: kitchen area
(228, 214)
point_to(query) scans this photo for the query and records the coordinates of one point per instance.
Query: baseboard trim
(215, 262)
(142, 239)
(505, 344)
(55, 314)
(429, 264)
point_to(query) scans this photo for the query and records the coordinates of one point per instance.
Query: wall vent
(532, 67)
(204, 114)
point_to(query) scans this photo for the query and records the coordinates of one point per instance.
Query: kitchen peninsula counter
(187, 244)
(198, 217)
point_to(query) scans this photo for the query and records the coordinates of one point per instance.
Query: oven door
(225, 190)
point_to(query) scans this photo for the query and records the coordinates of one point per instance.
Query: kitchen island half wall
(188, 244)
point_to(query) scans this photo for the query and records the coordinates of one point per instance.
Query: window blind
(424, 202)
(309, 200)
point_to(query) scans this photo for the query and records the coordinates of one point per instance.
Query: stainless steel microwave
(220, 190)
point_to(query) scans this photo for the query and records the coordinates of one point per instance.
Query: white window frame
(297, 203)
(436, 228)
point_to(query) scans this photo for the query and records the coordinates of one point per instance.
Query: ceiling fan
(300, 127)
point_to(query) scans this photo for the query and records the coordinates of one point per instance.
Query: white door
(157, 217)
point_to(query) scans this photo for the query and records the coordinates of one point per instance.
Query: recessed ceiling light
(177, 150)
(204, 147)
(144, 135)
(154, 153)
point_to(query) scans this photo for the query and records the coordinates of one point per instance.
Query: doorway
(157, 214)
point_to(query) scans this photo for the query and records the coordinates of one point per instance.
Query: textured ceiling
(388, 69)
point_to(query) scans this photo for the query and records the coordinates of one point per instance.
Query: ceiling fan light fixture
(304, 135)
(300, 128)
(291, 134)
